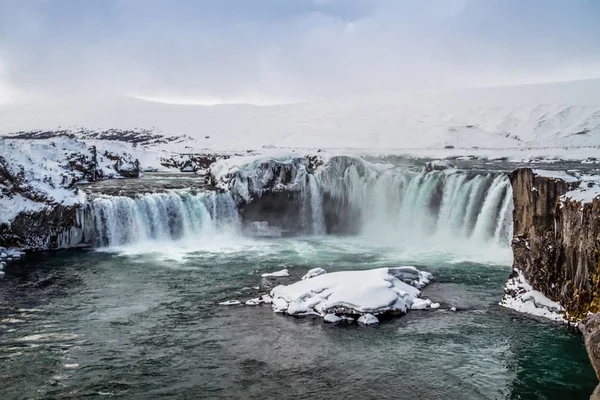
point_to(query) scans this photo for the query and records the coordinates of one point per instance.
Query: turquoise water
(142, 325)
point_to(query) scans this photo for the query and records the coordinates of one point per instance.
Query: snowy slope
(549, 115)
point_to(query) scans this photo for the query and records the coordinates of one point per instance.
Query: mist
(273, 51)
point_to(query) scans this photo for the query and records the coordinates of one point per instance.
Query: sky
(279, 51)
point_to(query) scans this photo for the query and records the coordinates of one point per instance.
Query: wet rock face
(556, 241)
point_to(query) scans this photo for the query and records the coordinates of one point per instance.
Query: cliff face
(556, 241)
(52, 227)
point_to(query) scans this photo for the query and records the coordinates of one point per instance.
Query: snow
(376, 291)
(278, 274)
(584, 195)
(562, 175)
(10, 207)
(253, 302)
(230, 303)
(424, 304)
(331, 318)
(314, 272)
(520, 296)
(46, 174)
(368, 319)
(587, 191)
(513, 118)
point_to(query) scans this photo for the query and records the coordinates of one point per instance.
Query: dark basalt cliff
(556, 241)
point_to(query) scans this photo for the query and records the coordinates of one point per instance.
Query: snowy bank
(354, 293)
(520, 296)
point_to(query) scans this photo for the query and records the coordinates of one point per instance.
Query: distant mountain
(541, 115)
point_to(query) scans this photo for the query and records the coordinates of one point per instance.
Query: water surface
(129, 323)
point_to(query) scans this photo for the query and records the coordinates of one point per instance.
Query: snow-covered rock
(39, 197)
(520, 296)
(277, 274)
(314, 272)
(424, 304)
(331, 318)
(230, 303)
(253, 302)
(376, 291)
(368, 319)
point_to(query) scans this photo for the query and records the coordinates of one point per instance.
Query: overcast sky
(271, 51)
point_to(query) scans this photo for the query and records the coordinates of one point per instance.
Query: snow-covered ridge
(551, 115)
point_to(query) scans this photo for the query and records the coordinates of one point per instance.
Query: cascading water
(397, 204)
(174, 215)
(378, 201)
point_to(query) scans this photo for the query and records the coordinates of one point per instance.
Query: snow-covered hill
(548, 115)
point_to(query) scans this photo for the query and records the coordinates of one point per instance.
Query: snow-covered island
(353, 294)
(348, 296)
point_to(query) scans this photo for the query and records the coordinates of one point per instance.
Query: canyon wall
(556, 241)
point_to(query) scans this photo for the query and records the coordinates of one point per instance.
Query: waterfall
(397, 203)
(345, 195)
(316, 207)
(174, 215)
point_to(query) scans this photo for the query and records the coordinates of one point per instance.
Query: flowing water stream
(136, 316)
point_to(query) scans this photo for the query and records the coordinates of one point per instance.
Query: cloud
(273, 50)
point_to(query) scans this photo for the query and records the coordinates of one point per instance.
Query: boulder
(590, 327)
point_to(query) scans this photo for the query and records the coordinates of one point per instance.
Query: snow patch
(562, 175)
(314, 272)
(520, 296)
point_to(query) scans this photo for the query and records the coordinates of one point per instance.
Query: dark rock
(54, 227)
(556, 241)
(197, 163)
(590, 327)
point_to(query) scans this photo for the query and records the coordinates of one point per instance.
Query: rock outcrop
(556, 241)
(590, 327)
(40, 203)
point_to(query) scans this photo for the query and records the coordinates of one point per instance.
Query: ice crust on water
(376, 291)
